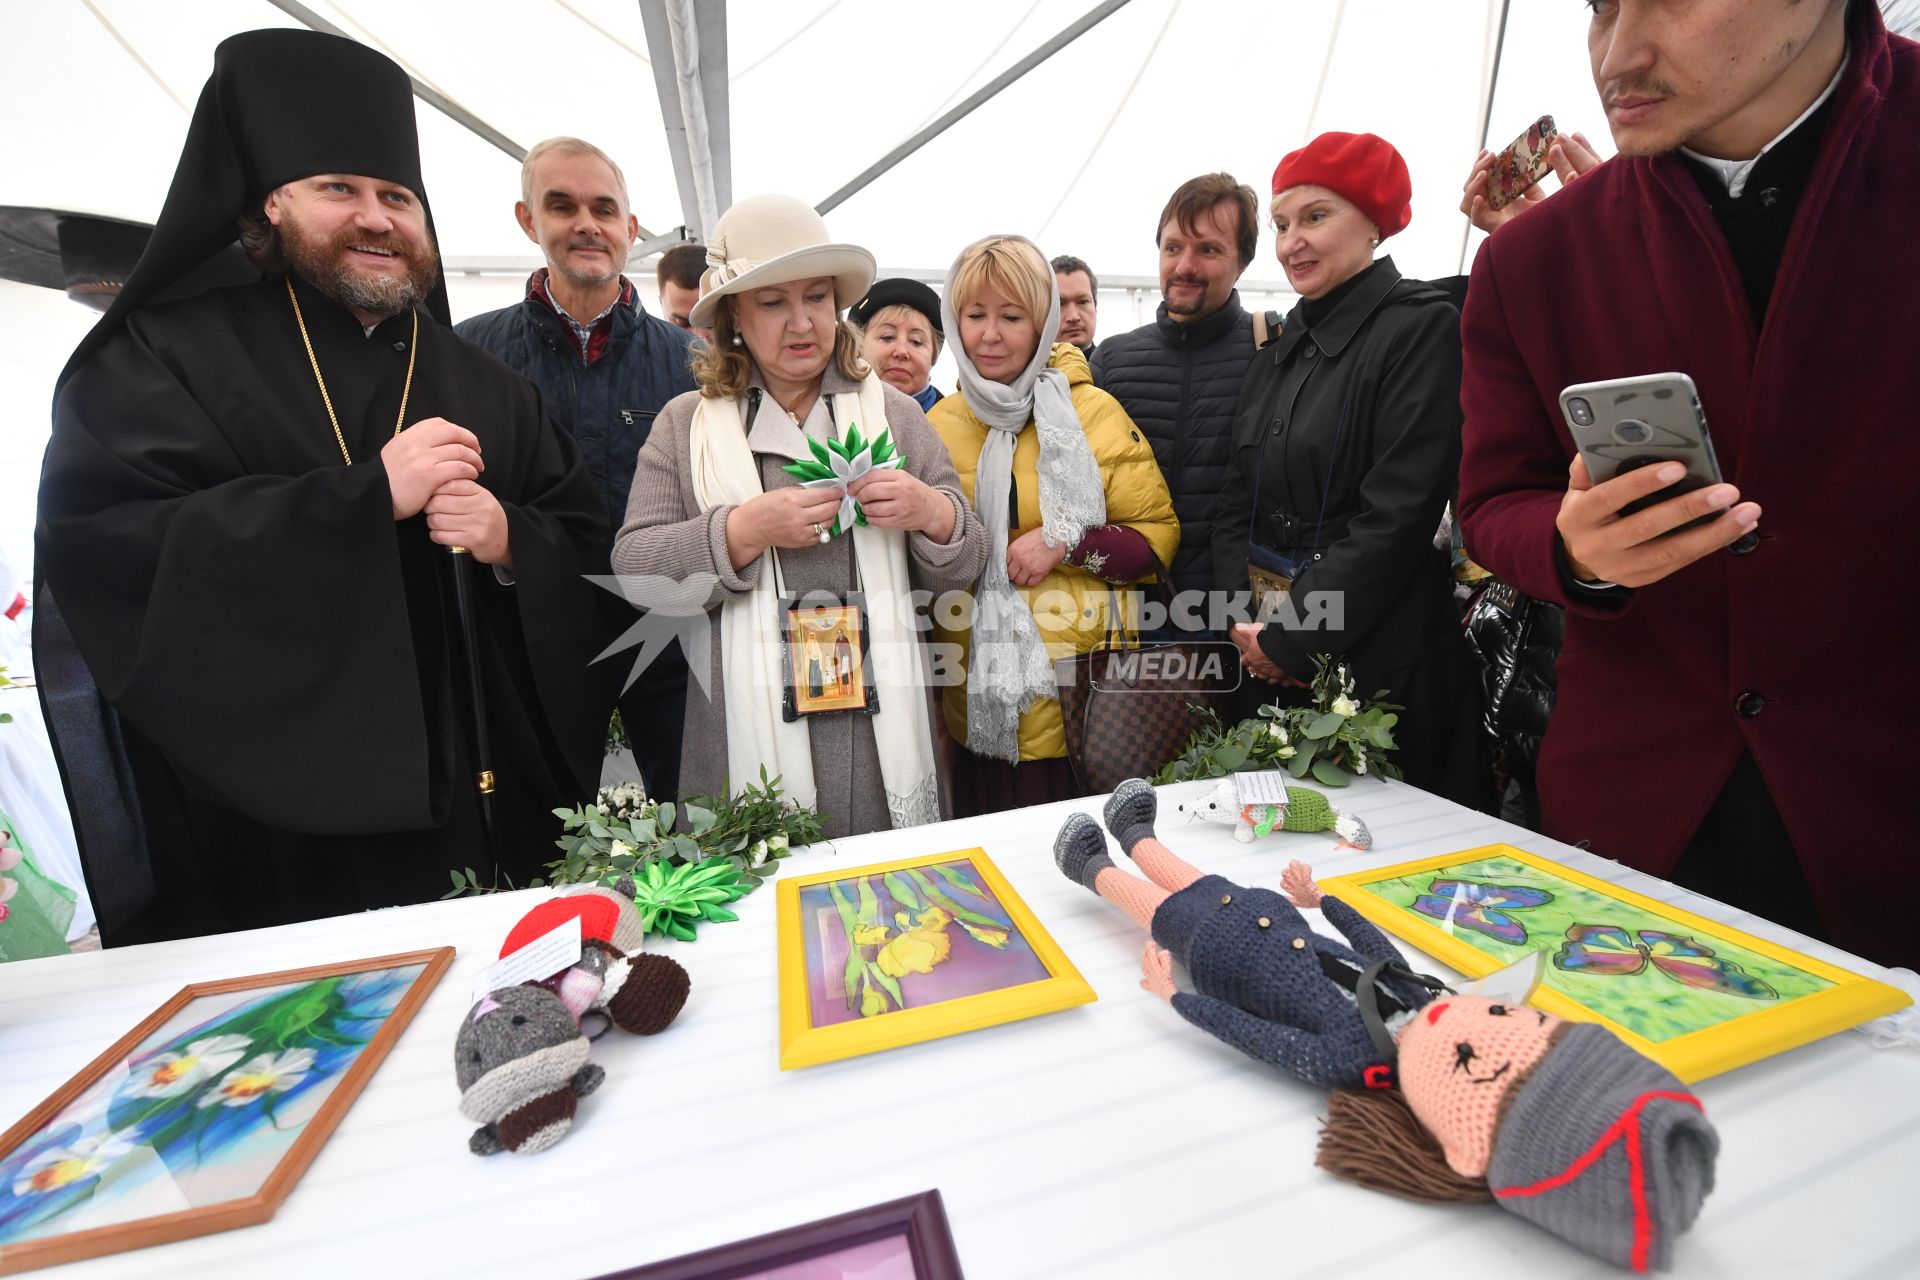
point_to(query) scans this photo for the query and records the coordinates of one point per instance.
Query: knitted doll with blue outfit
(1263, 981)
(1438, 1097)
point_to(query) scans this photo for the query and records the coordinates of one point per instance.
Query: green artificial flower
(674, 900)
(838, 463)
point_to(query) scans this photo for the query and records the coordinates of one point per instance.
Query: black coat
(283, 655)
(1350, 428)
(609, 406)
(1179, 383)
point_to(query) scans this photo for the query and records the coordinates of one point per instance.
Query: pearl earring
(738, 341)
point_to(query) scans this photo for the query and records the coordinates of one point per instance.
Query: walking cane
(483, 775)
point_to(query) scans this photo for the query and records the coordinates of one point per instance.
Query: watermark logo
(1201, 667)
(682, 609)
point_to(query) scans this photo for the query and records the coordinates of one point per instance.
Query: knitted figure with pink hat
(1438, 1097)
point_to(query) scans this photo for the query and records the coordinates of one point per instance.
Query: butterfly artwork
(1607, 950)
(1482, 908)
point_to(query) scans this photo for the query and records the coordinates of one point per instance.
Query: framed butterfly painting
(1696, 996)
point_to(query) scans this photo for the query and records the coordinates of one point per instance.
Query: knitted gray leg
(1131, 811)
(1080, 851)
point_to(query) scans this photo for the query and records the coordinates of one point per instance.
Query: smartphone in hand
(1622, 424)
(1521, 164)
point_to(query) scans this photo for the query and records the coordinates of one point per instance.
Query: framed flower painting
(203, 1117)
(900, 952)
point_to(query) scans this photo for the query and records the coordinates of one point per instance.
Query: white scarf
(725, 471)
(1009, 670)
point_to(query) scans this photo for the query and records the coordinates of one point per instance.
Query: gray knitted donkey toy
(521, 1061)
(521, 1055)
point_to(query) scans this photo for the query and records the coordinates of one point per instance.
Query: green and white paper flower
(838, 463)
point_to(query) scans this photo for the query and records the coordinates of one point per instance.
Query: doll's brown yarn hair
(1371, 1137)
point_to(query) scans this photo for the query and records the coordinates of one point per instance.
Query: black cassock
(285, 656)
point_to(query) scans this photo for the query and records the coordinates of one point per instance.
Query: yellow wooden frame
(1851, 1000)
(804, 1045)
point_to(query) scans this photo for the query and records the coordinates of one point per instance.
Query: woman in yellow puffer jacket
(1069, 492)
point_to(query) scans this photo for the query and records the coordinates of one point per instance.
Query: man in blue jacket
(604, 367)
(1179, 377)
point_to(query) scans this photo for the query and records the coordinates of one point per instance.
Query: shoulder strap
(1266, 327)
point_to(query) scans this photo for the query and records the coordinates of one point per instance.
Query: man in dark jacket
(1179, 377)
(605, 367)
(1731, 697)
(1079, 302)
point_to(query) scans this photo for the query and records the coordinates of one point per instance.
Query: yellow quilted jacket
(1070, 605)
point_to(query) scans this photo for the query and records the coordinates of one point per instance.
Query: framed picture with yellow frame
(1696, 996)
(899, 952)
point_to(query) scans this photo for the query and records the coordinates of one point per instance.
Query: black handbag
(1517, 641)
(1130, 707)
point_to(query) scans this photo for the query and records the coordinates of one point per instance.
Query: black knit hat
(280, 105)
(898, 291)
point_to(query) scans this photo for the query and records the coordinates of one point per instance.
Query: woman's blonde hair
(1012, 268)
(722, 369)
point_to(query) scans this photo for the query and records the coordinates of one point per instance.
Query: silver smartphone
(1623, 424)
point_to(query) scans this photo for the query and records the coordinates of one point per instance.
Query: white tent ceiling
(1080, 154)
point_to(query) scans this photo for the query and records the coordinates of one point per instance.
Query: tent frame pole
(1085, 23)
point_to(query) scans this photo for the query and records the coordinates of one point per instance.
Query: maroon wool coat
(1816, 417)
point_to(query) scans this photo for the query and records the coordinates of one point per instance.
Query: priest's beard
(322, 262)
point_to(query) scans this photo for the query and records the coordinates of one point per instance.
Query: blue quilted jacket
(1180, 383)
(609, 404)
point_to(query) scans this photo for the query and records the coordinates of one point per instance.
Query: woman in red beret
(1346, 448)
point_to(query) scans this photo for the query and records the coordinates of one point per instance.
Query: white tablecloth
(31, 796)
(1111, 1140)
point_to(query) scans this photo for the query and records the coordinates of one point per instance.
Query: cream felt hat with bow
(765, 240)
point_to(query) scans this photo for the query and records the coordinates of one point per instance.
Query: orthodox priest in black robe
(246, 513)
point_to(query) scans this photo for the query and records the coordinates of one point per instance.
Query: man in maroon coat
(1735, 701)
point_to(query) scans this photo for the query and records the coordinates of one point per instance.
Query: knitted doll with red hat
(521, 1056)
(1439, 1097)
(613, 982)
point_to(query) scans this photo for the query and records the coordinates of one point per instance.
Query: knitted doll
(613, 982)
(1440, 1097)
(521, 1055)
(521, 1062)
(1304, 810)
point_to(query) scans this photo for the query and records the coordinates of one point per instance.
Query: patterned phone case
(1522, 164)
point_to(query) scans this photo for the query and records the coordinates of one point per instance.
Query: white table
(1111, 1140)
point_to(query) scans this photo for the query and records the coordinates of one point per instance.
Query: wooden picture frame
(921, 1218)
(1696, 996)
(848, 612)
(850, 972)
(201, 1085)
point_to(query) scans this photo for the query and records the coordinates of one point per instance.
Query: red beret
(1359, 166)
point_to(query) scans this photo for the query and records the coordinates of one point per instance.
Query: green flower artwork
(838, 463)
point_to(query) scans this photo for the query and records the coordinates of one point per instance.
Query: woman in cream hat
(714, 523)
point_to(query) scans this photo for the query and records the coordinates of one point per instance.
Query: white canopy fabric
(1080, 154)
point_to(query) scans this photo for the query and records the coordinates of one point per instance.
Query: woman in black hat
(899, 326)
